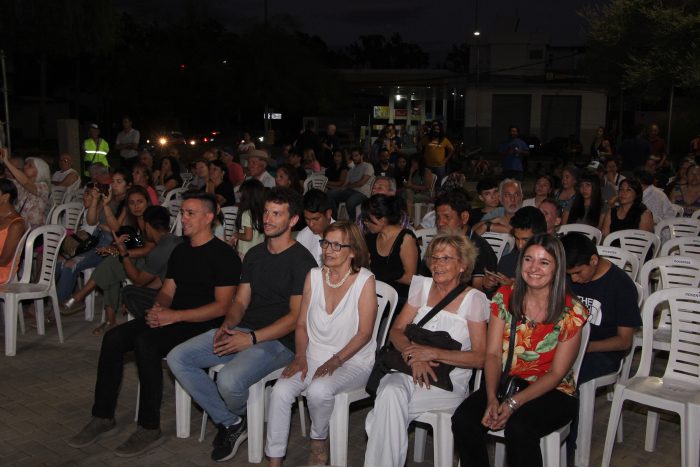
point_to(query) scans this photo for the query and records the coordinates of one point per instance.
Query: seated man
(498, 220)
(357, 185)
(526, 222)
(317, 214)
(488, 194)
(199, 286)
(553, 213)
(383, 186)
(452, 213)
(256, 337)
(257, 167)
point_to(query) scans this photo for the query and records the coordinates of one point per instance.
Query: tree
(376, 51)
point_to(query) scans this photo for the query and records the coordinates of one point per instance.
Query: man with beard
(257, 335)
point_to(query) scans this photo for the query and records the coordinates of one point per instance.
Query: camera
(103, 188)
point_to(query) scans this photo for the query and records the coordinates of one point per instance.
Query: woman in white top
(402, 398)
(334, 345)
(33, 188)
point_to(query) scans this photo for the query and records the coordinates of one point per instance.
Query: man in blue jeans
(257, 335)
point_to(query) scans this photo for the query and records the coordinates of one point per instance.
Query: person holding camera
(33, 187)
(546, 341)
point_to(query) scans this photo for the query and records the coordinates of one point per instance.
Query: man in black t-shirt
(611, 298)
(199, 285)
(257, 335)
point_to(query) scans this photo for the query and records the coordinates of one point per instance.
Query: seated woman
(548, 319)
(107, 270)
(169, 174)
(33, 188)
(311, 164)
(588, 206)
(544, 185)
(334, 345)
(416, 188)
(286, 176)
(12, 227)
(402, 398)
(142, 177)
(565, 195)
(66, 176)
(200, 168)
(393, 250)
(338, 171)
(219, 184)
(249, 222)
(631, 213)
(688, 194)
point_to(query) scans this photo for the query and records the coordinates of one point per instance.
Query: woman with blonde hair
(334, 345)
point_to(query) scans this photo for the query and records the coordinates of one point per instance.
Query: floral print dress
(536, 346)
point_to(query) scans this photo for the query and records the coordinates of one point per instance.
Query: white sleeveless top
(329, 333)
(474, 307)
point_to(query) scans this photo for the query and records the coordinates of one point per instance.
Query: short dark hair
(383, 207)
(486, 184)
(529, 217)
(157, 217)
(579, 249)
(207, 199)
(644, 176)
(457, 199)
(8, 186)
(555, 203)
(220, 164)
(284, 195)
(126, 174)
(316, 201)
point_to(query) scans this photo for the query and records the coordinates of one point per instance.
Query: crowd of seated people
(263, 301)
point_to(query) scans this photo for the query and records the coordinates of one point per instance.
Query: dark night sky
(434, 25)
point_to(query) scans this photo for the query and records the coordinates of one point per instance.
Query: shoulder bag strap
(511, 347)
(442, 304)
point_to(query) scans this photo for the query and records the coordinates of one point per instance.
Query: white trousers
(398, 403)
(320, 394)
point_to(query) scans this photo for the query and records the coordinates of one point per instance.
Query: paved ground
(46, 393)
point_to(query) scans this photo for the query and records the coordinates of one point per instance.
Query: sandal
(103, 328)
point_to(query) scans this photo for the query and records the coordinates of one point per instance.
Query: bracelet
(253, 337)
(339, 359)
(512, 404)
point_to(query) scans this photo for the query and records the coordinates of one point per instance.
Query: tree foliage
(377, 51)
(644, 45)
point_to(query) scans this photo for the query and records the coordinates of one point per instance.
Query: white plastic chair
(173, 205)
(424, 237)
(679, 388)
(695, 214)
(589, 231)
(639, 242)
(586, 405)
(25, 289)
(14, 276)
(553, 449)
(58, 194)
(684, 246)
(420, 210)
(678, 210)
(676, 227)
(621, 258)
(500, 242)
(673, 271)
(315, 181)
(68, 215)
(176, 225)
(230, 214)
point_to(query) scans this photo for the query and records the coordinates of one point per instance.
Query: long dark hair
(558, 289)
(130, 219)
(252, 199)
(174, 165)
(634, 215)
(293, 175)
(578, 209)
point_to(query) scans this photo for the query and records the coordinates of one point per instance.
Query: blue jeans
(224, 399)
(68, 270)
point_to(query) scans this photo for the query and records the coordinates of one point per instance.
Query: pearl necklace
(337, 284)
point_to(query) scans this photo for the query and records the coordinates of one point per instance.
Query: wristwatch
(121, 257)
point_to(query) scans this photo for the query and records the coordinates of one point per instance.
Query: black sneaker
(228, 439)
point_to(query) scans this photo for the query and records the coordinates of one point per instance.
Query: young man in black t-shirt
(200, 283)
(257, 335)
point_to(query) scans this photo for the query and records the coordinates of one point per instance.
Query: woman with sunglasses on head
(401, 398)
(547, 319)
(334, 345)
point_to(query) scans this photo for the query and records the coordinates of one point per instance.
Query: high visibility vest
(95, 153)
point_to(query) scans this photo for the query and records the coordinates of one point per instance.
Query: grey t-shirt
(157, 260)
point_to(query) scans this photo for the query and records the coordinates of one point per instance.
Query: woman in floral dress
(548, 318)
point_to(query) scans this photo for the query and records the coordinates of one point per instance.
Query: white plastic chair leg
(613, 422)
(339, 430)
(205, 416)
(692, 434)
(551, 450)
(183, 411)
(420, 438)
(443, 441)
(652, 430)
(20, 318)
(39, 316)
(302, 415)
(256, 421)
(585, 422)
(57, 315)
(11, 307)
(138, 399)
(500, 454)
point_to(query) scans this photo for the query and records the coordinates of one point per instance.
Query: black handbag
(510, 384)
(389, 359)
(134, 239)
(78, 243)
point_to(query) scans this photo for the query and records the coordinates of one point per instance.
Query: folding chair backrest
(315, 181)
(174, 194)
(639, 242)
(585, 334)
(684, 246)
(621, 258)
(176, 227)
(499, 242)
(57, 194)
(17, 258)
(674, 271)
(677, 227)
(173, 205)
(589, 231)
(385, 295)
(67, 215)
(230, 214)
(424, 237)
(53, 236)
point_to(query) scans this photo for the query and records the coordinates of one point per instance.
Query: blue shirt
(513, 160)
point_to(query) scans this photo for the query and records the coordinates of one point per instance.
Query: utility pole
(7, 103)
(477, 34)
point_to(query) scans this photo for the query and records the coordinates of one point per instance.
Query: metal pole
(670, 117)
(7, 102)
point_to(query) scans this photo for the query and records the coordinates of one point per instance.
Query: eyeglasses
(335, 246)
(441, 259)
